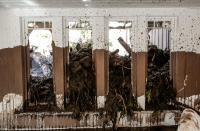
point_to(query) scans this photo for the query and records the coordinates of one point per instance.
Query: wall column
(100, 50)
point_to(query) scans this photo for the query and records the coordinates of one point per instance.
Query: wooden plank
(106, 75)
(134, 72)
(190, 83)
(141, 73)
(58, 69)
(198, 73)
(100, 67)
(11, 71)
(180, 73)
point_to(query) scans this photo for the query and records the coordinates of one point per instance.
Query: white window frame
(57, 28)
(66, 21)
(173, 28)
(133, 29)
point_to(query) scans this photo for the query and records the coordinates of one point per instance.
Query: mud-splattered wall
(186, 52)
(186, 40)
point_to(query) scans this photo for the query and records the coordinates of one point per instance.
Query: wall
(185, 50)
(186, 17)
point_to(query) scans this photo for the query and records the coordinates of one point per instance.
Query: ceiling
(97, 3)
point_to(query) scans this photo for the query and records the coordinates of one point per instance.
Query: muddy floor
(134, 129)
(158, 128)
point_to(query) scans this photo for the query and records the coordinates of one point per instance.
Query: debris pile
(81, 94)
(120, 97)
(41, 94)
(159, 90)
(41, 62)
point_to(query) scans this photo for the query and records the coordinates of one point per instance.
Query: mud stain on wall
(11, 77)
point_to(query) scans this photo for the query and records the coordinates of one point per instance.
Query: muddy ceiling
(97, 3)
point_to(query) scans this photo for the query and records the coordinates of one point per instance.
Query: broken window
(159, 90)
(120, 96)
(119, 29)
(81, 94)
(41, 87)
(80, 33)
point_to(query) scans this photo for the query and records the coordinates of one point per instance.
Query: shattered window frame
(120, 25)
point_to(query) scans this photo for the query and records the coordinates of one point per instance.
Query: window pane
(119, 29)
(31, 24)
(151, 24)
(159, 24)
(39, 24)
(47, 25)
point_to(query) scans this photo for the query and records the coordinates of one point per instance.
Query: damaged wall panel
(195, 76)
(134, 73)
(180, 73)
(11, 78)
(139, 62)
(186, 50)
(186, 77)
(198, 72)
(58, 69)
(190, 72)
(186, 72)
(101, 58)
(172, 66)
(101, 67)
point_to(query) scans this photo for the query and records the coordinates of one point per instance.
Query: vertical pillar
(172, 65)
(101, 67)
(191, 67)
(141, 80)
(11, 78)
(139, 61)
(58, 60)
(139, 73)
(134, 73)
(180, 73)
(198, 73)
(58, 71)
(100, 50)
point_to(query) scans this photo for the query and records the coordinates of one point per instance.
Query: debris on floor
(159, 90)
(41, 94)
(120, 97)
(81, 94)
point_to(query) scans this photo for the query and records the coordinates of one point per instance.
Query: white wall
(186, 37)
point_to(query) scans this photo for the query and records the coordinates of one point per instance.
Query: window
(80, 32)
(119, 29)
(120, 96)
(41, 87)
(81, 94)
(159, 33)
(159, 88)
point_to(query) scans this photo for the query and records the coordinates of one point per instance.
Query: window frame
(26, 51)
